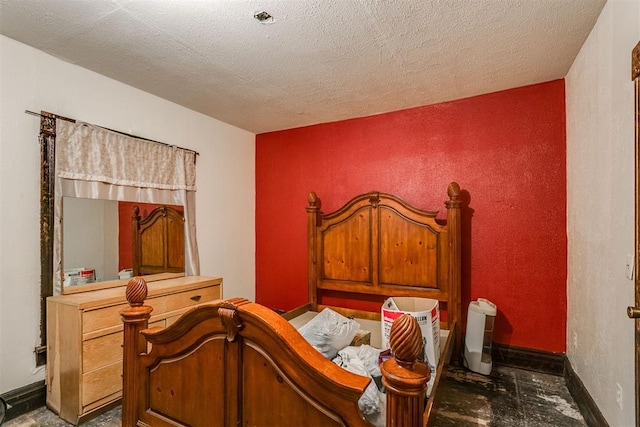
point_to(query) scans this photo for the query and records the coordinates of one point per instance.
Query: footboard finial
(404, 376)
(136, 291)
(405, 340)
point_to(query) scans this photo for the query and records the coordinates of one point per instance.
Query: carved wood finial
(313, 200)
(405, 340)
(136, 291)
(453, 190)
(230, 318)
(374, 199)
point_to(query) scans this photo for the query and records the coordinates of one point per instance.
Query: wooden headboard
(377, 244)
(158, 241)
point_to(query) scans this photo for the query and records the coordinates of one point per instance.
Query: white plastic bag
(367, 354)
(329, 332)
(372, 403)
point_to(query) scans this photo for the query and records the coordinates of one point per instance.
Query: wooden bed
(158, 241)
(235, 362)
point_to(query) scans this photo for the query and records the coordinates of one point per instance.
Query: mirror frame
(47, 139)
(635, 76)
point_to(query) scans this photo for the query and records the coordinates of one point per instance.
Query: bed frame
(378, 246)
(158, 241)
(235, 362)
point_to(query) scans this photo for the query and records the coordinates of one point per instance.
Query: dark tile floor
(42, 417)
(507, 398)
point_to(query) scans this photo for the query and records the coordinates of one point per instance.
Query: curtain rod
(116, 131)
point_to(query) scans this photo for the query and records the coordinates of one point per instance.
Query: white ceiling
(317, 60)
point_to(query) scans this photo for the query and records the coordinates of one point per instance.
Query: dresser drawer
(191, 298)
(105, 350)
(101, 351)
(101, 318)
(109, 317)
(101, 382)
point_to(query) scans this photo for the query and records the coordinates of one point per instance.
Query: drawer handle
(196, 298)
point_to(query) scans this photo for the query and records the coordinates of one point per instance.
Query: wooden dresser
(84, 340)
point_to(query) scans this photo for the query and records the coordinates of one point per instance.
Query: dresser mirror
(82, 160)
(99, 241)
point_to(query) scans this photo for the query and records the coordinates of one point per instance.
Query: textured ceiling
(317, 60)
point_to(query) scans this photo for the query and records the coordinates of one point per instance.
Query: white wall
(600, 210)
(90, 236)
(225, 201)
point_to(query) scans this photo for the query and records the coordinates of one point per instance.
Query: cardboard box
(79, 276)
(427, 312)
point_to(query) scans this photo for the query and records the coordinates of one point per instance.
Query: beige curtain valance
(90, 153)
(97, 163)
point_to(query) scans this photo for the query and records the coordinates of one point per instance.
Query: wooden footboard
(235, 362)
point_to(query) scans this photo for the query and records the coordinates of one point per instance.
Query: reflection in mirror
(90, 241)
(97, 239)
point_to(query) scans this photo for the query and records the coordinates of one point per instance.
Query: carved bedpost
(313, 212)
(135, 318)
(135, 218)
(454, 305)
(404, 376)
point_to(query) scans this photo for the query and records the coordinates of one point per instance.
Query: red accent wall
(506, 149)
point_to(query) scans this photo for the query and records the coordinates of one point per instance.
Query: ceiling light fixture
(263, 17)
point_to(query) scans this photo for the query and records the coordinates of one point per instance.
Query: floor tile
(507, 398)
(42, 417)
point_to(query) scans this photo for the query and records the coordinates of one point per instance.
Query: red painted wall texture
(506, 149)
